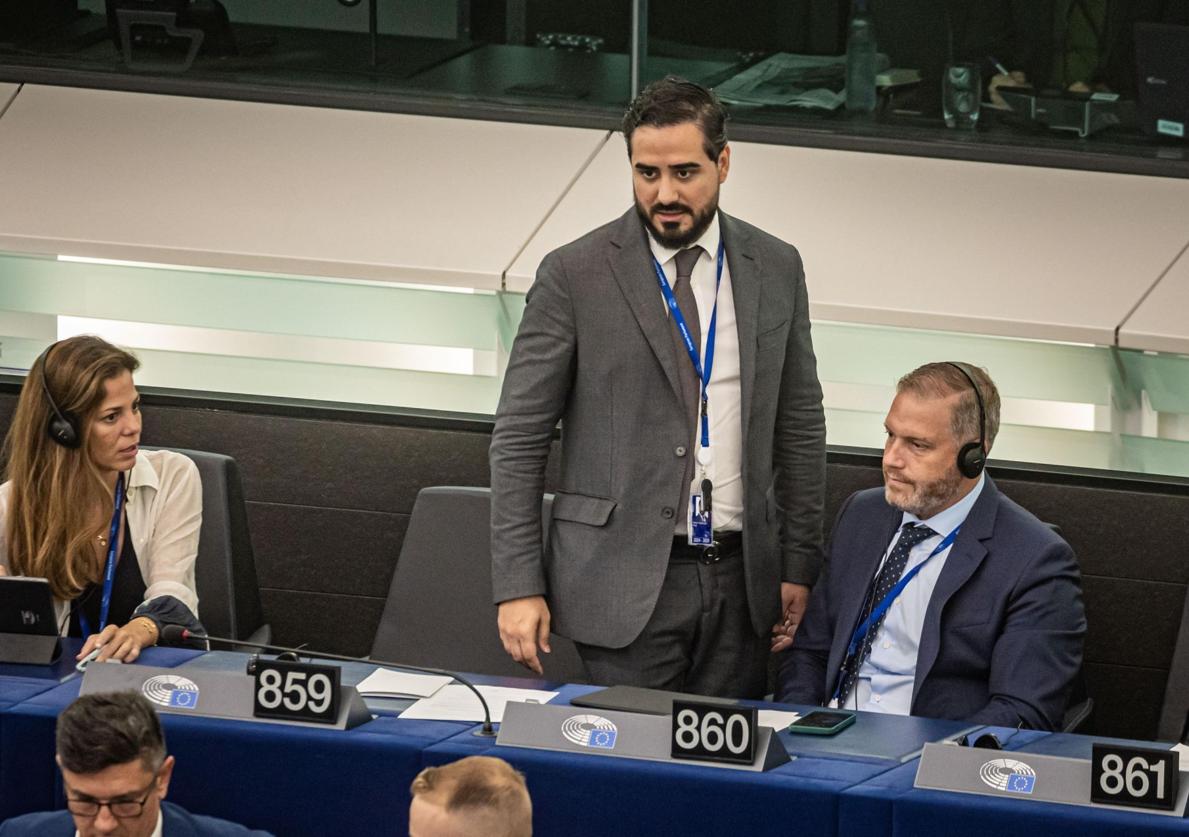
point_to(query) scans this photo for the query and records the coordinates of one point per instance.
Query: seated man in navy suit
(115, 772)
(941, 597)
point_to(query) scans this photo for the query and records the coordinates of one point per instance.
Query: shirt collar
(708, 241)
(142, 474)
(946, 521)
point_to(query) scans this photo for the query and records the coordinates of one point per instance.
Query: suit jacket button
(667, 513)
(679, 450)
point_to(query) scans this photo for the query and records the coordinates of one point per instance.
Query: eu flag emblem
(1020, 783)
(602, 738)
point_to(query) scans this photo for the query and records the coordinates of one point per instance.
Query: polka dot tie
(910, 535)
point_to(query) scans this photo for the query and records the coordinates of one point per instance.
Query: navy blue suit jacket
(176, 822)
(1002, 639)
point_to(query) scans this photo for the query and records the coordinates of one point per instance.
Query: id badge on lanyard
(699, 520)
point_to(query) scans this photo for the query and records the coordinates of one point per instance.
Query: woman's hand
(122, 643)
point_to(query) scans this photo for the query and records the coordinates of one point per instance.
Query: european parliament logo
(171, 690)
(1008, 775)
(590, 731)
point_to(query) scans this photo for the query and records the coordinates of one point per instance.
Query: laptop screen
(27, 607)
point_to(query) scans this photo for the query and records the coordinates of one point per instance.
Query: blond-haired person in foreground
(478, 795)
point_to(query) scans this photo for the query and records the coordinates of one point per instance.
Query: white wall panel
(927, 243)
(1161, 322)
(249, 186)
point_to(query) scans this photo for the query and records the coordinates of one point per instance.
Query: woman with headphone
(114, 529)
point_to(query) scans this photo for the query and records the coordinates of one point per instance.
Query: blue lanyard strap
(109, 569)
(686, 338)
(880, 609)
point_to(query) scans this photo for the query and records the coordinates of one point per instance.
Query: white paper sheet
(1184, 753)
(458, 703)
(384, 682)
(776, 718)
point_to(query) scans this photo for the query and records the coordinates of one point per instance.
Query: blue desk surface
(29, 708)
(306, 780)
(888, 804)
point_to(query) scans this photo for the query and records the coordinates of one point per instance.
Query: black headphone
(62, 426)
(972, 458)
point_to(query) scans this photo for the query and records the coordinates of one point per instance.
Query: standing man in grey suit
(673, 344)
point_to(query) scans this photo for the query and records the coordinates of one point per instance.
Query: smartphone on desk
(822, 723)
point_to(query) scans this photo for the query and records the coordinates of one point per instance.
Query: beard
(670, 234)
(924, 499)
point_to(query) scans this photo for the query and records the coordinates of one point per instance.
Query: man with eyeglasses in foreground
(115, 771)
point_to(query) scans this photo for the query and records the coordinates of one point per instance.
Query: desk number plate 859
(292, 691)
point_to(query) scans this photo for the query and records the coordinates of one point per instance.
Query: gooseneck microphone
(176, 634)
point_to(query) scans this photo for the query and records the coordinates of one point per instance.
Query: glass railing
(781, 65)
(385, 344)
(284, 336)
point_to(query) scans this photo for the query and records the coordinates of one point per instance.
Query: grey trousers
(699, 638)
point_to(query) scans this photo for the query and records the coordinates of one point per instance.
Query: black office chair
(225, 572)
(439, 610)
(1080, 705)
(1174, 713)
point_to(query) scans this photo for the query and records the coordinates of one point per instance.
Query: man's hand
(793, 600)
(524, 624)
(121, 643)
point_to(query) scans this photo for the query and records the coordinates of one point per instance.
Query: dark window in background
(568, 62)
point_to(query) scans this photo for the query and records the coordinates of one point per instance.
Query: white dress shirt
(888, 676)
(157, 832)
(164, 512)
(726, 423)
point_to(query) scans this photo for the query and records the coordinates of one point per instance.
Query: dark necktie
(691, 385)
(910, 535)
(682, 290)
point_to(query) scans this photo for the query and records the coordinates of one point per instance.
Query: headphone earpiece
(62, 426)
(972, 457)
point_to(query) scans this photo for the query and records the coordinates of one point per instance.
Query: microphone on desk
(176, 635)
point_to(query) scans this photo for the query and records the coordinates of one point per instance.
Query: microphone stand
(176, 633)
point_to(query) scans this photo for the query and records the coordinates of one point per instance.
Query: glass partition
(1097, 83)
(374, 343)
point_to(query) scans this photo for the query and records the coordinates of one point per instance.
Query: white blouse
(164, 512)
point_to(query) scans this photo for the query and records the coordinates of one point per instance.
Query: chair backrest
(439, 610)
(1174, 712)
(225, 572)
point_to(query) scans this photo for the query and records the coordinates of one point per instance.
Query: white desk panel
(1161, 322)
(7, 91)
(276, 188)
(928, 243)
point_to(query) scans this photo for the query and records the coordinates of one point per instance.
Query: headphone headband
(62, 426)
(972, 457)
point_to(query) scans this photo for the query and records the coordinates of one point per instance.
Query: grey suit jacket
(595, 350)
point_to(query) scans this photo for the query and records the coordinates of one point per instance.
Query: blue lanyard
(880, 609)
(109, 569)
(688, 340)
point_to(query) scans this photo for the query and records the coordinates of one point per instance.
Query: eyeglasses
(121, 809)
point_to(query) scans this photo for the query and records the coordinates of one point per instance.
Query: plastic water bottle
(860, 60)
